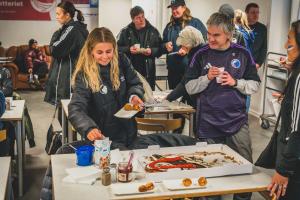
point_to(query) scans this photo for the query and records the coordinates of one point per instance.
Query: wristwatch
(235, 83)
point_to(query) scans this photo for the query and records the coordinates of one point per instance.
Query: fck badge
(235, 63)
(103, 90)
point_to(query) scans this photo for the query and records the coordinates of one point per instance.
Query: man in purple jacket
(221, 100)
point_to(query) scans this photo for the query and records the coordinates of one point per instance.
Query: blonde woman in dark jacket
(103, 82)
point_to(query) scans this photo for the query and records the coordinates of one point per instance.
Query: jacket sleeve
(78, 108)
(156, 49)
(165, 39)
(291, 155)
(250, 82)
(122, 42)
(263, 51)
(194, 82)
(2, 103)
(200, 26)
(178, 92)
(133, 83)
(65, 43)
(7, 86)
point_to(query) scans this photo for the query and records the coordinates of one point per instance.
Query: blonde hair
(87, 65)
(185, 19)
(240, 18)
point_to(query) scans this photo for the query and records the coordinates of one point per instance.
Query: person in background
(6, 85)
(221, 94)
(181, 17)
(189, 40)
(4, 146)
(65, 46)
(241, 23)
(103, 82)
(286, 179)
(237, 36)
(260, 34)
(35, 63)
(141, 42)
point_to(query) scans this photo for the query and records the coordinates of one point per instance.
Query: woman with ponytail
(103, 82)
(65, 47)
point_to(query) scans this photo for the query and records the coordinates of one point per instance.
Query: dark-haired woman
(286, 179)
(65, 47)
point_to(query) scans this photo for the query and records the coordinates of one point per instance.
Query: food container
(125, 174)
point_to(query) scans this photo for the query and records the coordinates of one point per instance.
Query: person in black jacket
(141, 42)
(286, 179)
(260, 45)
(103, 82)
(6, 85)
(65, 47)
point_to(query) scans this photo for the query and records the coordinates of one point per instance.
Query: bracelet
(235, 84)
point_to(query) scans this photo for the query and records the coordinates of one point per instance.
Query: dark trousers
(293, 188)
(174, 77)
(40, 69)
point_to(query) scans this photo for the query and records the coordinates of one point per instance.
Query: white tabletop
(255, 182)
(4, 173)
(16, 111)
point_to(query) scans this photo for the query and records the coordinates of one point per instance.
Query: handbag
(267, 158)
(54, 137)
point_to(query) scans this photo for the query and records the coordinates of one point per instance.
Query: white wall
(295, 10)
(16, 32)
(114, 14)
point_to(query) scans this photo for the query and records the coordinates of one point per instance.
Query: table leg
(23, 140)
(19, 138)
(191, 125)
(70, 133)
(63, 121)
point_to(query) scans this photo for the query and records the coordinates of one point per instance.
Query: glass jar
(125, 174)
(113, 172)
(106, 177)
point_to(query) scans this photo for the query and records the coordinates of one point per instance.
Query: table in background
(186, 110)
(4, 177)
(15, 116)
(256, 182)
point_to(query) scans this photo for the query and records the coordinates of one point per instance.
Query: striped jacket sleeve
(291, 154)
(296, 108)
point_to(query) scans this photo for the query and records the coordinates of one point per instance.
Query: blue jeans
(248, 98)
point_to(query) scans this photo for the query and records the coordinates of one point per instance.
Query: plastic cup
(84, 155)
(219, 78)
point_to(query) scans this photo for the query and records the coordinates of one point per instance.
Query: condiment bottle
(106, 176)
(113, 172)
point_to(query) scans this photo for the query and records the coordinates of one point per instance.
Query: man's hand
(147, 52)
(213, 72)
(134, 50)
(278, 185)
(257, 66)
(169, 46)
(227, 79)
(30, 70)
(95, 134)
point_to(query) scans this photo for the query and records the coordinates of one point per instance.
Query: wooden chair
(158, 125)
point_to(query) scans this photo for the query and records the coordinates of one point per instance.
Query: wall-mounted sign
(31, 9)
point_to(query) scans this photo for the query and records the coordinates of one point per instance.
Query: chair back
(158, 125)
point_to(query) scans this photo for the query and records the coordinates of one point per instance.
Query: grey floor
(37, 160)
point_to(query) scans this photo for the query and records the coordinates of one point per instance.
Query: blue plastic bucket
(85, 155)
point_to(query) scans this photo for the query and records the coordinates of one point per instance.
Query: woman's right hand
(95, 134)
(169, 46)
